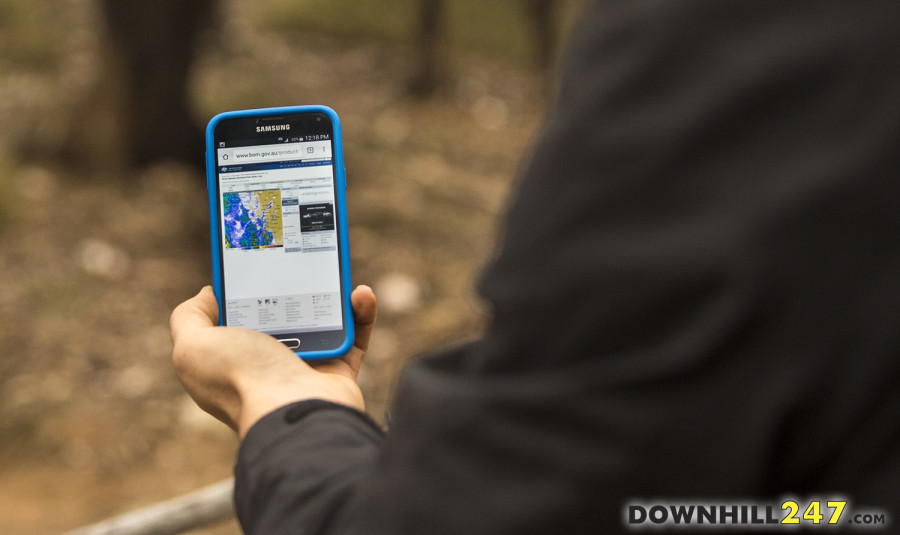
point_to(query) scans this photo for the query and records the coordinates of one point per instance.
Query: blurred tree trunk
(139, 113)
(544, 19)
(431, 70)
(430, 66)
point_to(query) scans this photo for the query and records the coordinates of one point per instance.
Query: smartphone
(278, 223)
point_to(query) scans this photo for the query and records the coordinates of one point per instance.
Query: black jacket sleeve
(299, 465)
(696, 296)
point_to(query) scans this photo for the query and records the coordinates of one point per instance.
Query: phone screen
(279, 234)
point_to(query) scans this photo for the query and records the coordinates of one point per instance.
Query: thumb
(200, 311)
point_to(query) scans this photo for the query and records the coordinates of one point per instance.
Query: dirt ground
(92, 420)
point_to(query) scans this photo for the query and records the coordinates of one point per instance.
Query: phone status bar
(272, 140)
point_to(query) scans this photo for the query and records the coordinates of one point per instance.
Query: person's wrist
(261, 396)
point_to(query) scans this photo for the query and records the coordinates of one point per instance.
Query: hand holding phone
(279, 228)
(212, 364)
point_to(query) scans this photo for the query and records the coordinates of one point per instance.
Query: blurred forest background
(103, 215)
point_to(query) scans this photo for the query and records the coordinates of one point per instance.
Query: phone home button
(292, 343)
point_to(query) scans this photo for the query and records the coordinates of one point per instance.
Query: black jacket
(696, 298)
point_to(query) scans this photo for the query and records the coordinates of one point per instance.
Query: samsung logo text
(273, 128)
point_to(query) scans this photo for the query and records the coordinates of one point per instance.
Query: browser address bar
(275, 153)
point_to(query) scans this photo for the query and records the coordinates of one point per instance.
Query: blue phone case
(340, 199)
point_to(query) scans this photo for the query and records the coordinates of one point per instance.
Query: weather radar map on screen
(253, 219)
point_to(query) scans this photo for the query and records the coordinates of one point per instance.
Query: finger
(365, 308)
(365, 311)
(202, 310)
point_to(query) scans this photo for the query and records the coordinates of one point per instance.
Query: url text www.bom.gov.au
(788, 513)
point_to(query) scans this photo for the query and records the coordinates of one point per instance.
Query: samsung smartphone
(279, 227)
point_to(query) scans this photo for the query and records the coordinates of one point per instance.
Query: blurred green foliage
(378, 19)
(497, 28)
(32, 33)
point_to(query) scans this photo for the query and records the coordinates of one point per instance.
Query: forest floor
(93, 421)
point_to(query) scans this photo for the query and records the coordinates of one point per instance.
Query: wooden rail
(203, 507)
